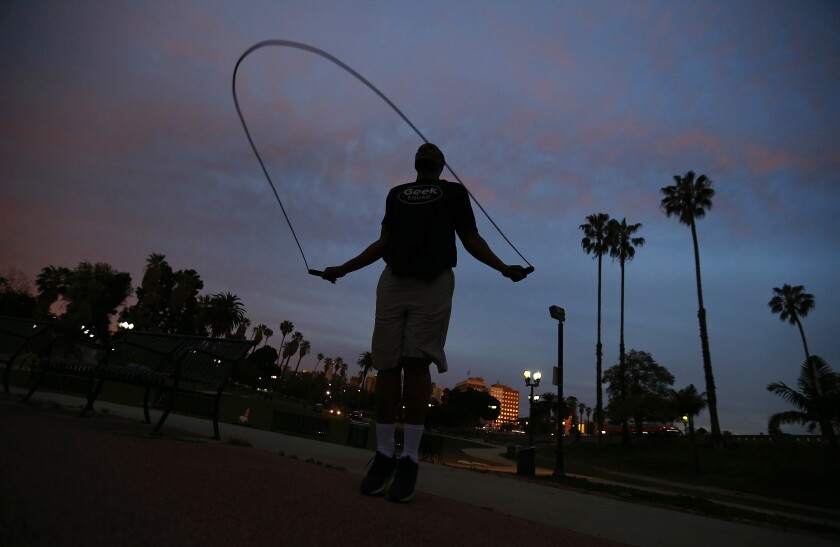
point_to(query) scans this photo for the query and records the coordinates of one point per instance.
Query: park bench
(18, 337)
(178, 373)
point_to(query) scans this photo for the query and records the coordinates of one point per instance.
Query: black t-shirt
(423, 218)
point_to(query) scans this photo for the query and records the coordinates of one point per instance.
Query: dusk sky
(120, 139)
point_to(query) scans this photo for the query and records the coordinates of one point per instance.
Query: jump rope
(334, 60)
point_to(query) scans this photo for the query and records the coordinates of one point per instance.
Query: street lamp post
(532, 382)
(559, 314)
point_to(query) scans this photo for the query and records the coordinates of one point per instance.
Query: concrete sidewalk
(586, 515)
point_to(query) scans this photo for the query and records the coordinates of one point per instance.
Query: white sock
(412, 433)
(385, 439)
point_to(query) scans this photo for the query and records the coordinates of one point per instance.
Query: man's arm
(371, 254)
(478, 247)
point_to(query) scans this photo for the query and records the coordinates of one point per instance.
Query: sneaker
(377, 477)
(402, 488)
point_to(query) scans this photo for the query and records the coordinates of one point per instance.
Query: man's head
(429, 160)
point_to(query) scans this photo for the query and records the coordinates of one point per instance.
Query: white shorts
(412, 319)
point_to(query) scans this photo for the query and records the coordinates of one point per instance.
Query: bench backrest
(198, 359)
(16, 333)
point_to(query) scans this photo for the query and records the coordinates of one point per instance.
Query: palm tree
(791, 303)
(365, 362)
(257, 335)
(285, 328)
(52, 284)
(305, 346)
(689, 403)
(320, 357)
(623, 248)
(597, 240)
(339, 369)
(290, 349)
(817, 401)
(224, 312)
(688, 200)
(267, 333)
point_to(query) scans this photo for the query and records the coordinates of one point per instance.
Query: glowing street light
(531, 381)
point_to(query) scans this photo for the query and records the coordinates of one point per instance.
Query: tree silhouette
(791, 303)
(623, 249)
(597, 241)
(817, 402)
(688, 200)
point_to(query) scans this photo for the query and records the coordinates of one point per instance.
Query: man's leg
(388, 384)
(387, 395)
(417, 389)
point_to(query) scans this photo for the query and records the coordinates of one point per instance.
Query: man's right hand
(332, 273)
(515, 273)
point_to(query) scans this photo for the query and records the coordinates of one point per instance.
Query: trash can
(358, 434)
(526, 461)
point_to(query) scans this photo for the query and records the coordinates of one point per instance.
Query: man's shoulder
(441, 183)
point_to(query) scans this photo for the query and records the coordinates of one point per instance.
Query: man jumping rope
(413, 305)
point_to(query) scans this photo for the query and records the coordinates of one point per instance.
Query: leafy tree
(259, 364)
(464, 408)
(93, 294)
(817, 401)
(597, 241)
(548, 402)
(623, 249)
(791, 303)
(16, 301)
(646, 390)
(688, 200)
(184, 303)
(167, 301)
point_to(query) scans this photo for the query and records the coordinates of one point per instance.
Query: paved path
(103, 480)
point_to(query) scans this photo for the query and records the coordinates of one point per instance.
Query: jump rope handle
(529, 270)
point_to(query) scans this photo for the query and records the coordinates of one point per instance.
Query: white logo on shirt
(419, 195)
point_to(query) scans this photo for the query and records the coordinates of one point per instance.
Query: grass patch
(803, 473)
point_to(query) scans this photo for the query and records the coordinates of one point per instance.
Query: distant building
(509, 398)
(476, 383)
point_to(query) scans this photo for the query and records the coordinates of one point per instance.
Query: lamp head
(557, 313)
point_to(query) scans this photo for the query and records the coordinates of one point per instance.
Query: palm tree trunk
(625, 428)
(599, 399)
(711, 397)
(804, 342)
